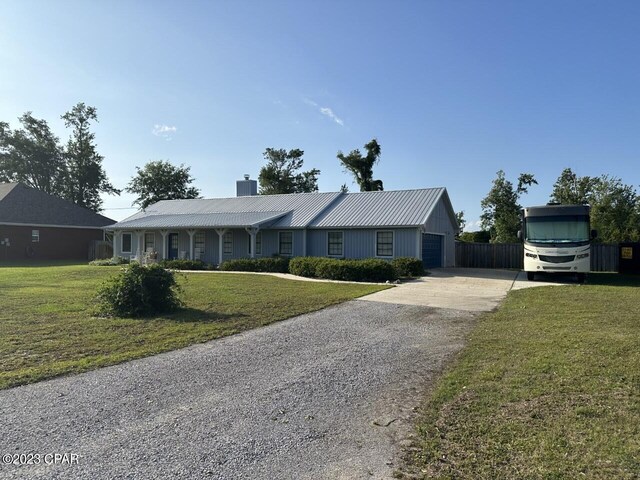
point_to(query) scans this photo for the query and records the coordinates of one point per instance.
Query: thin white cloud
(326, 111)
(329, 113)
(164, 131)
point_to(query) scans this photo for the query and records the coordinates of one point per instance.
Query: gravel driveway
(329, 394)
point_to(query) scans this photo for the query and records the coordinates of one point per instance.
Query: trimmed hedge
(268, 264)
(109, 262)
(183, 264)
(306, 266)
(408, 267)
(139, 291)
(366, 270)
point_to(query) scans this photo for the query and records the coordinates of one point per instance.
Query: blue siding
(361, 243)
(440, 222)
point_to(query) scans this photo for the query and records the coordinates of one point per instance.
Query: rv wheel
(530, 276)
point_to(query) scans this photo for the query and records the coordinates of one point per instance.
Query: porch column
(253, 232)
(220, 232)
(191, 234)
(164, 243)
(116, 242)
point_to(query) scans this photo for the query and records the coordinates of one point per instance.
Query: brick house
(37, 226)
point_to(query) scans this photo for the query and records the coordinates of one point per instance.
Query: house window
(198, 245)
(35, 236)
(149, 242)
(126, 243)
(286, 243)
(384, 244)
(227, 243)
(258, 243)
(335, 244)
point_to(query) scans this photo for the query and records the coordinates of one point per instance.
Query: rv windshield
(557, 229)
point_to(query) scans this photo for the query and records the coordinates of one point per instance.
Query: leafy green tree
(500, 208)
(615, 210)
(362, 167)
(570, 189)
(32, 155)
(86, 178)
(160, 180)
(615, 207)
(461, 222)
(280, 174)
(481, 236)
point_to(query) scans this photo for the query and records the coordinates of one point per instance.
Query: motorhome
(557, 239)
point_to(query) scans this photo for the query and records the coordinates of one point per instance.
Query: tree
(344, 188)
(481, 236)
(570, 189)
(160, 180)
(615, 210)
(32, 155)
(280, 174)
(362, 167)
(86, 178)
(460, 221)
(615, 207)
(500, 208)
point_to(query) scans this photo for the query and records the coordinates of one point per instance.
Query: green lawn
(548, 387)
(47, 327)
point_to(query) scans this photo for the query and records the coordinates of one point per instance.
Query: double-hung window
(335, 244)
(285, 243)
(384, 244)
(126, 243)
(149, 242)
(198, 245)
(227, 243)
(35, 236)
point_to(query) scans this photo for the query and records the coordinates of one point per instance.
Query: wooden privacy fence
(604, 256)
(99, 249)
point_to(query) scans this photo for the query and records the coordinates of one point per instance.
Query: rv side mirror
(594, 233)
(519, 234)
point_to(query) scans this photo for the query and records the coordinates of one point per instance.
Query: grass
(548, 387)
(47, 327)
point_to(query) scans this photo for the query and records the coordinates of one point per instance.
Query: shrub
(408, 267)
(109, 262)
(367, 270)
(272, 264)
(138, 291)
(306, 266)
(178, 264)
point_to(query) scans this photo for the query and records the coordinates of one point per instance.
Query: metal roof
(401, 208)
(300, 208)
(202, 220)
(380, 209)
(25, 205)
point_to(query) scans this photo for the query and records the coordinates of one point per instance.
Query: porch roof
(200, 220)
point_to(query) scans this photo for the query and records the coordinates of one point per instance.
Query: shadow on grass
(193, 315)
(613, 279)
(41, 263)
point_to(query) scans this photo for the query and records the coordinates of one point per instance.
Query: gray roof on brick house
(25, 205)
(401, 208)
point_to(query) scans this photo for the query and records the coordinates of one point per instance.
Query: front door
(173, 245)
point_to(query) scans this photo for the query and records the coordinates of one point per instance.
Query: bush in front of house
(306, 266)
(408, 267)
(267, 264)
(365, 270)
(110, 262)
(139, 291)
(184, 264)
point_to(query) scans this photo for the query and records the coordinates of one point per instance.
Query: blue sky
(452, 90)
